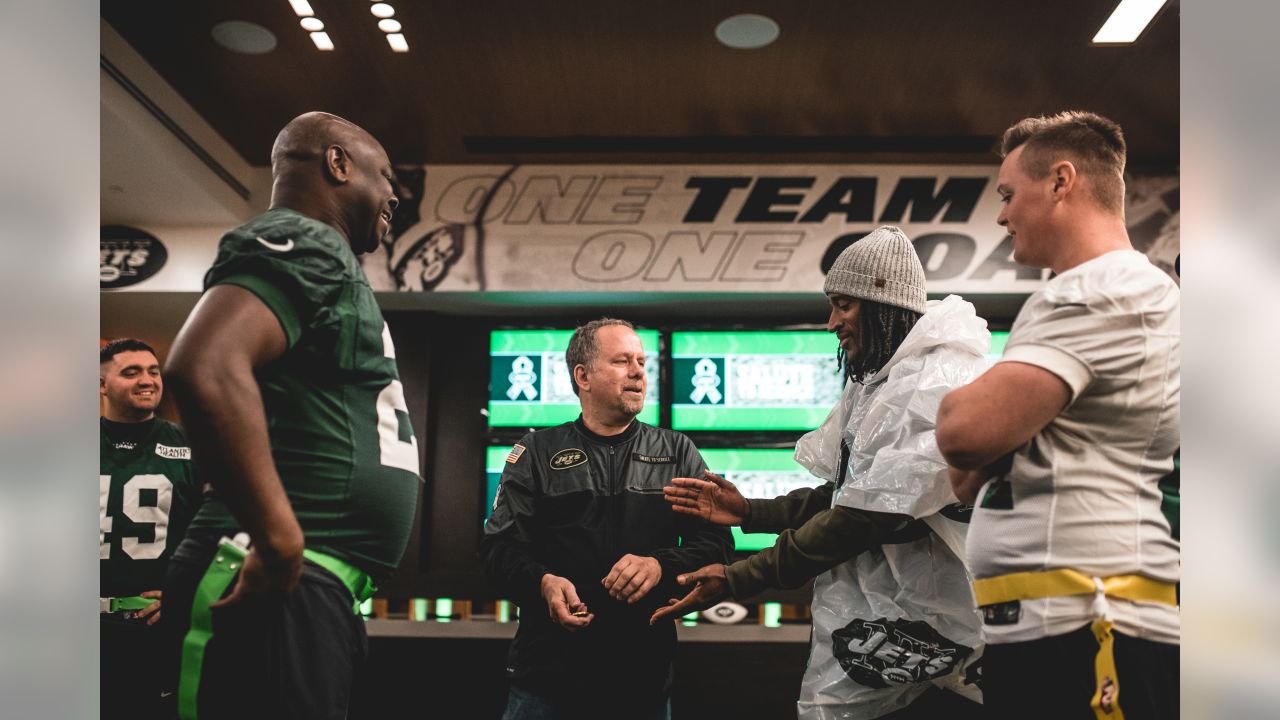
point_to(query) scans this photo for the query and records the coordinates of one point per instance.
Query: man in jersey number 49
(146, 497)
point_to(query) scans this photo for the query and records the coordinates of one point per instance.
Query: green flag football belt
(116, 604)
(226, 564)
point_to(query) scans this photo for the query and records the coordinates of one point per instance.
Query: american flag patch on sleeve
(516, 451)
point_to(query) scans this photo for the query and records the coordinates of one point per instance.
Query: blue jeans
(524, 705)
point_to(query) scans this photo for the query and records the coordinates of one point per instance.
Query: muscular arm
(210, 371)
(827, 539)
(996, 414)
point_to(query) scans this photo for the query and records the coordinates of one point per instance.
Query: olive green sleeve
(829, 538)
(788, 511)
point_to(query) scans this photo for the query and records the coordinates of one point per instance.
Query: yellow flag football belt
(1062, 582)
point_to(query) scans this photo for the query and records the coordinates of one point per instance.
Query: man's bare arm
(210, 370)
(998, 413)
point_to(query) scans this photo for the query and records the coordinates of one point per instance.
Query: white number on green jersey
(395, 452)
(133, 509)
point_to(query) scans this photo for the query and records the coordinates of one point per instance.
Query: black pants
(1054, 679)
(133, 672)
(274, 656)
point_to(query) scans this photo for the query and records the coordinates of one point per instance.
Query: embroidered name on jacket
(653, 459)
(572, 457)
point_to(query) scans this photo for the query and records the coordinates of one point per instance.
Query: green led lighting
(772, 614)
(504, 611)
(419, 609)
(444, 609)
(366, 607)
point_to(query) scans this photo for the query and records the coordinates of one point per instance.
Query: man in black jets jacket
(581, 538)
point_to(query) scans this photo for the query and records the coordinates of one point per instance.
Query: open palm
(714, 499)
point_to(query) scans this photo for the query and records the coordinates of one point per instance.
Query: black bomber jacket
(572, 503)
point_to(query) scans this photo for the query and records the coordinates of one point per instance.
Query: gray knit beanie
(882, 267)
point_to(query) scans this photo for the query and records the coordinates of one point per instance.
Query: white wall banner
(696, 228)
(688, 228)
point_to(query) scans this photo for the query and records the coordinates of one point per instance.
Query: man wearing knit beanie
(895, 630)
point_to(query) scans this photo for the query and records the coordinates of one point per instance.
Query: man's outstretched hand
(714, 499)
(712, 587)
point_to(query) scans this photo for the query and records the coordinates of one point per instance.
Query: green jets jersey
(146, 497)
(336, 415)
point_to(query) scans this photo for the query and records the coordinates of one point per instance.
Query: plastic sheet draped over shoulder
(889, 422)
(895, 620)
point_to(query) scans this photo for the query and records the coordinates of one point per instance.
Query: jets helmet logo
(568, 458)
(881, 653)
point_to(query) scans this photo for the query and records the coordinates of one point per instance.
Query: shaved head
(332, 170)
(307, 136)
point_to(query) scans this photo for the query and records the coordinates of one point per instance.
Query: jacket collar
(609, 440)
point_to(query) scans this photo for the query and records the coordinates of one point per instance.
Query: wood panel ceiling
(493, 81)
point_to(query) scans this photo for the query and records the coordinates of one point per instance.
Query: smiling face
(614, 383)
(131, 384)
(371, 187)
(846, 322)
(1027, 207)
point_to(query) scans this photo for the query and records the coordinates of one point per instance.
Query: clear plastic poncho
(900, 617)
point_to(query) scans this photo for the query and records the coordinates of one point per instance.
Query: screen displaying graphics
(529, 384)
(998, 340)
(759, 474)
(753, 380)
(495, 460)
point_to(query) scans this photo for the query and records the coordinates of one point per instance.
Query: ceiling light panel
(1127, 21)
(313, 25)
(322, 41)
(395, 37)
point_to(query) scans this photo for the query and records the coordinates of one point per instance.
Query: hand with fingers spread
(714, 499)
(563, 604)
(632, 577)
(712, 587)
(153, 609)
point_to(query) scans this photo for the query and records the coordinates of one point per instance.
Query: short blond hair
(1094, 144)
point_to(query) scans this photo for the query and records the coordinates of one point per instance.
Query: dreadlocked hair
(882, 330)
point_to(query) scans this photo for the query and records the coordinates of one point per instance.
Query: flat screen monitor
(529, 383)
(494, 461)
(998, 340)
(753, 380)
(758, 473)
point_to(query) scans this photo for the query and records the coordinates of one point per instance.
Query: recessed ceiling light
(389, 26)
(244, 37)
(747, 32)
(397, 42)
(311, 23)
(322, 41)
(301, 8)
(382, 10)
(1127, 21)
